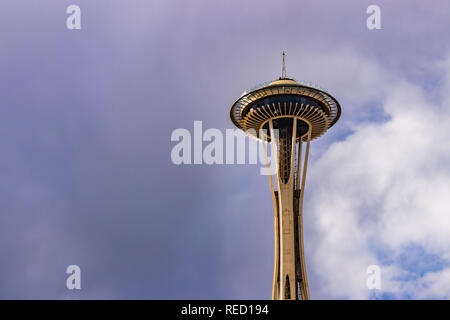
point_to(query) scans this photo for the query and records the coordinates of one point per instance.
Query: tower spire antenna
(283, 70)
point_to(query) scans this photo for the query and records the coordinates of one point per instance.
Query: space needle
(288, 115)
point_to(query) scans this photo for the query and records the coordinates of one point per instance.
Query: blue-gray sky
(86, 176)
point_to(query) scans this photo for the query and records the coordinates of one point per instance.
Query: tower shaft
(289, 278)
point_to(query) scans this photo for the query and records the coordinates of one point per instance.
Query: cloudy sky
(86, 118)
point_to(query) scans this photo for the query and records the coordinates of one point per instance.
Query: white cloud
(384, 187)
